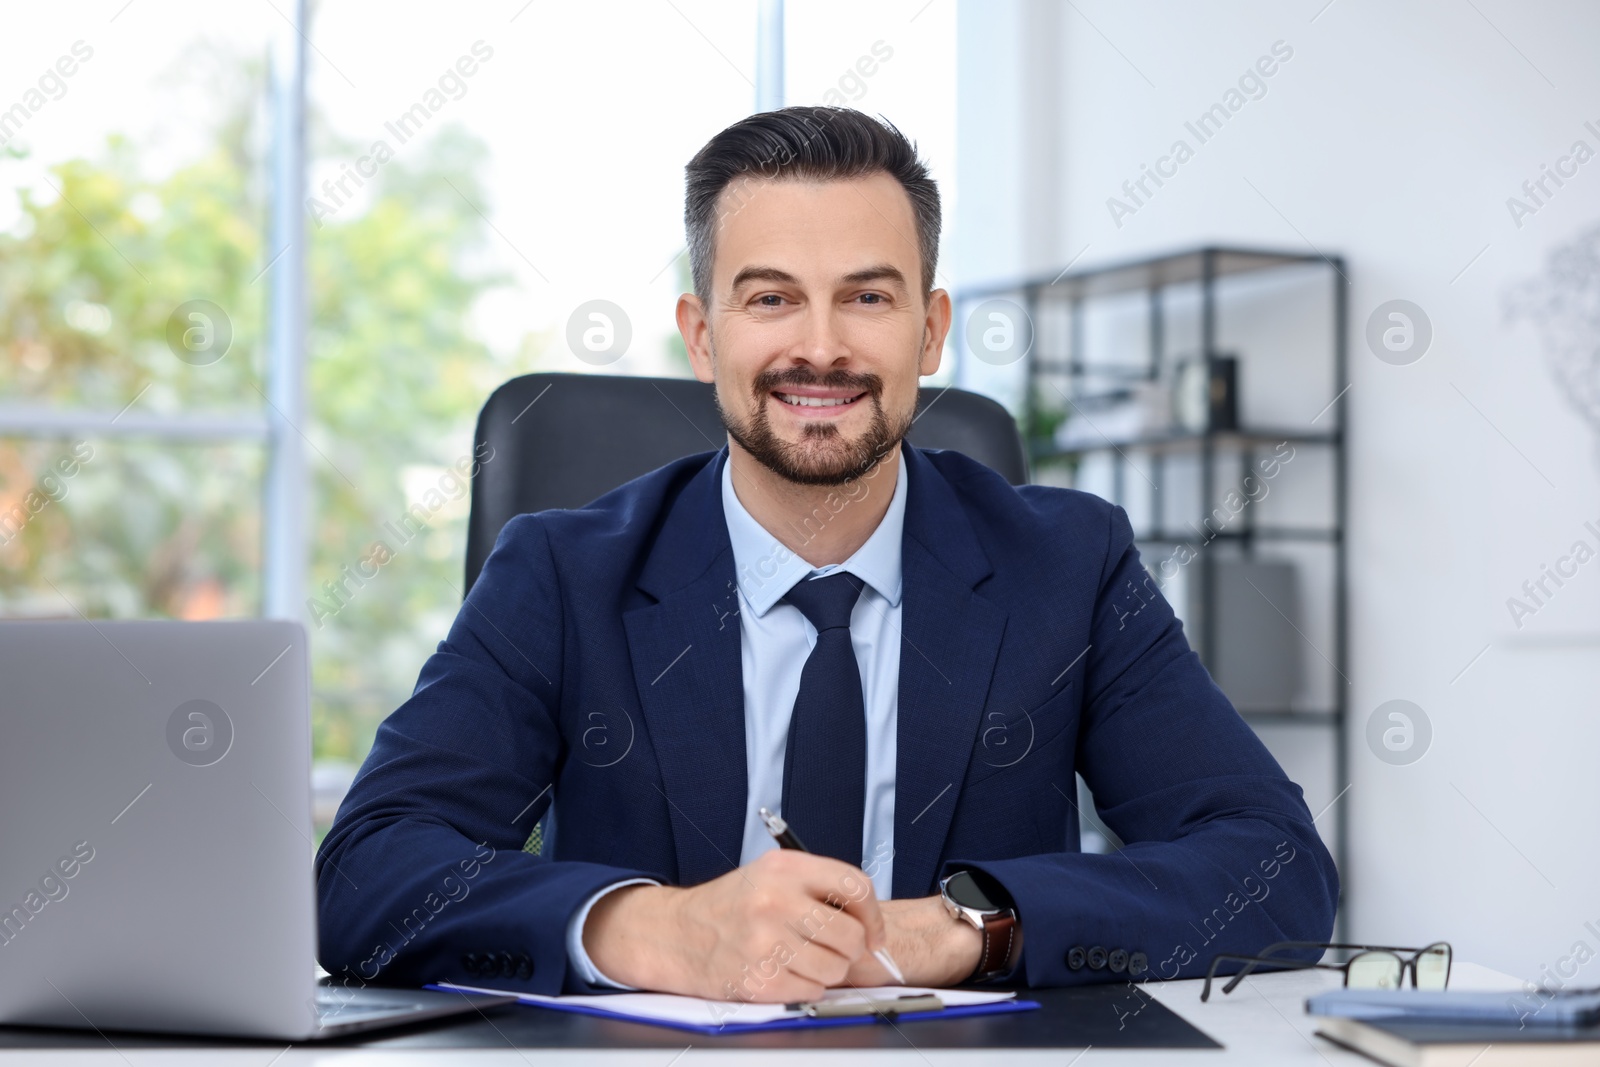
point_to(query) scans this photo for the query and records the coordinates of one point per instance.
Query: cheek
(733, 396)
(890, 347)
(900, 401)
(743, 348)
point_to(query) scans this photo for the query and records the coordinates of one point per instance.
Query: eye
(769, 300)
(872, 298)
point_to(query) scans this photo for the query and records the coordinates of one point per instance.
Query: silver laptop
(155, 835)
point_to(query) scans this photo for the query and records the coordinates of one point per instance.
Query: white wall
(1393, 136)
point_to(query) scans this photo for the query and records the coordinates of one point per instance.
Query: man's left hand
(932, 947)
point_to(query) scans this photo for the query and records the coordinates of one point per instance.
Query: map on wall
(1562, 304)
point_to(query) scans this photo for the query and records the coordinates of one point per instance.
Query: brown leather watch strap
(1001, 945)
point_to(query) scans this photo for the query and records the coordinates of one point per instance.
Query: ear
(935, 327)
(696, 331)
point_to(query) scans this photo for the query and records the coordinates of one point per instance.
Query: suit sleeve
(1220, 852)
(422, 877)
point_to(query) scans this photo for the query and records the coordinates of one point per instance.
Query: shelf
(1258, 533)
(1120, 371)
(1178, 471)
(1291, 718)
(1186, 440)
(1126, 277)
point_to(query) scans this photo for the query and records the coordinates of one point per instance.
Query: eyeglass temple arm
(1282, 946)
(1250, 961)
(1278, 946)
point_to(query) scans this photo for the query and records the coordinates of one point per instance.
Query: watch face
(963, 889)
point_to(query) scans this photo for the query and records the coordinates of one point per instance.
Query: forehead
(809, 227)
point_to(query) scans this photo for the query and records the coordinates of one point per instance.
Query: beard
(823, 455)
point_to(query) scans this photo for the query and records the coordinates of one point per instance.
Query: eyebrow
(880, 272)
(763, 274)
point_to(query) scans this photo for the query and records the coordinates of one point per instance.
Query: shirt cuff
(575, 951)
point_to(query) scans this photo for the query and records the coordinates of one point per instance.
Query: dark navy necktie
(825, 764)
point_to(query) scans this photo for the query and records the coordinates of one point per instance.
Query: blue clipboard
(1002, 1007)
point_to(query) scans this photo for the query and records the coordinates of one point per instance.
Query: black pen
(785, 837)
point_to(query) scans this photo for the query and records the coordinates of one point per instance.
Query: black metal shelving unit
(1060, 364)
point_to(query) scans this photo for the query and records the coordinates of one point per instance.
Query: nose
(821, 342)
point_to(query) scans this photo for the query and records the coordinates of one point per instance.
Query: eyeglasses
(1372, 966)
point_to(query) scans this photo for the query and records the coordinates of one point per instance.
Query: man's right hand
(780, 929)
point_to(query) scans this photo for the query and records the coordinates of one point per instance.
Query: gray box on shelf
(1258, 651)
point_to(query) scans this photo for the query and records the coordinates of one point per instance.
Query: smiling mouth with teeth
(817, 401)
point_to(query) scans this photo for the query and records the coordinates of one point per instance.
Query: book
(1531, 1007)
(1411, 1042)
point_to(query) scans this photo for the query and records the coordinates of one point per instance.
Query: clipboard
(865, 1006)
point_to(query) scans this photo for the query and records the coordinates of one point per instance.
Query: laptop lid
(155, 827)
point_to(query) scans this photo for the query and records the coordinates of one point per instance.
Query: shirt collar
(767, 569)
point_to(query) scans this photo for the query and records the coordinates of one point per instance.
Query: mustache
(769, 380)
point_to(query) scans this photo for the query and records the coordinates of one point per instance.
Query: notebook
(1551, 1007)
(725, 1017)
(1431, 1043)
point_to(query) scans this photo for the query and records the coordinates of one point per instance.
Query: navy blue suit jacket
(596, 664)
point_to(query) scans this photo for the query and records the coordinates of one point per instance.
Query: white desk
(1263, 1022)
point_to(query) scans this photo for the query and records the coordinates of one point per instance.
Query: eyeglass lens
(1433, 967)
(1373, 970)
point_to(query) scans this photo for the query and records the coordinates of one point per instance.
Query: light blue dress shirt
(775, 640)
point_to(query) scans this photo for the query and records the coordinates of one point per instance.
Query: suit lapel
(950, 641)
(685, 650)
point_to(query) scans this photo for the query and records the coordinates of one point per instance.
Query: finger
(786, 988)
(867, 971)
(860, 902)
(842, 886)
(835, 930)
(815, 963)
(766, 976)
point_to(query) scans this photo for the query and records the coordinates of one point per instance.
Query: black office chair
(561, 440)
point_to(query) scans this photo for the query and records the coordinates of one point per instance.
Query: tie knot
(827, 602)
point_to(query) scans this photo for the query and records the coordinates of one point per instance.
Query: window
(472, 181)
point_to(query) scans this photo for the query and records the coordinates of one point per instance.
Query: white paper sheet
(693, 1011)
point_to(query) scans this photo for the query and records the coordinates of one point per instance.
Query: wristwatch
(985, 907)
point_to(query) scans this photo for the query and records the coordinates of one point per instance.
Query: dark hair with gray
(814, 143)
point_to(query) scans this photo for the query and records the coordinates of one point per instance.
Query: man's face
(817, 330)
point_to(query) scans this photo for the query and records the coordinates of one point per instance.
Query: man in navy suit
(902, 654)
